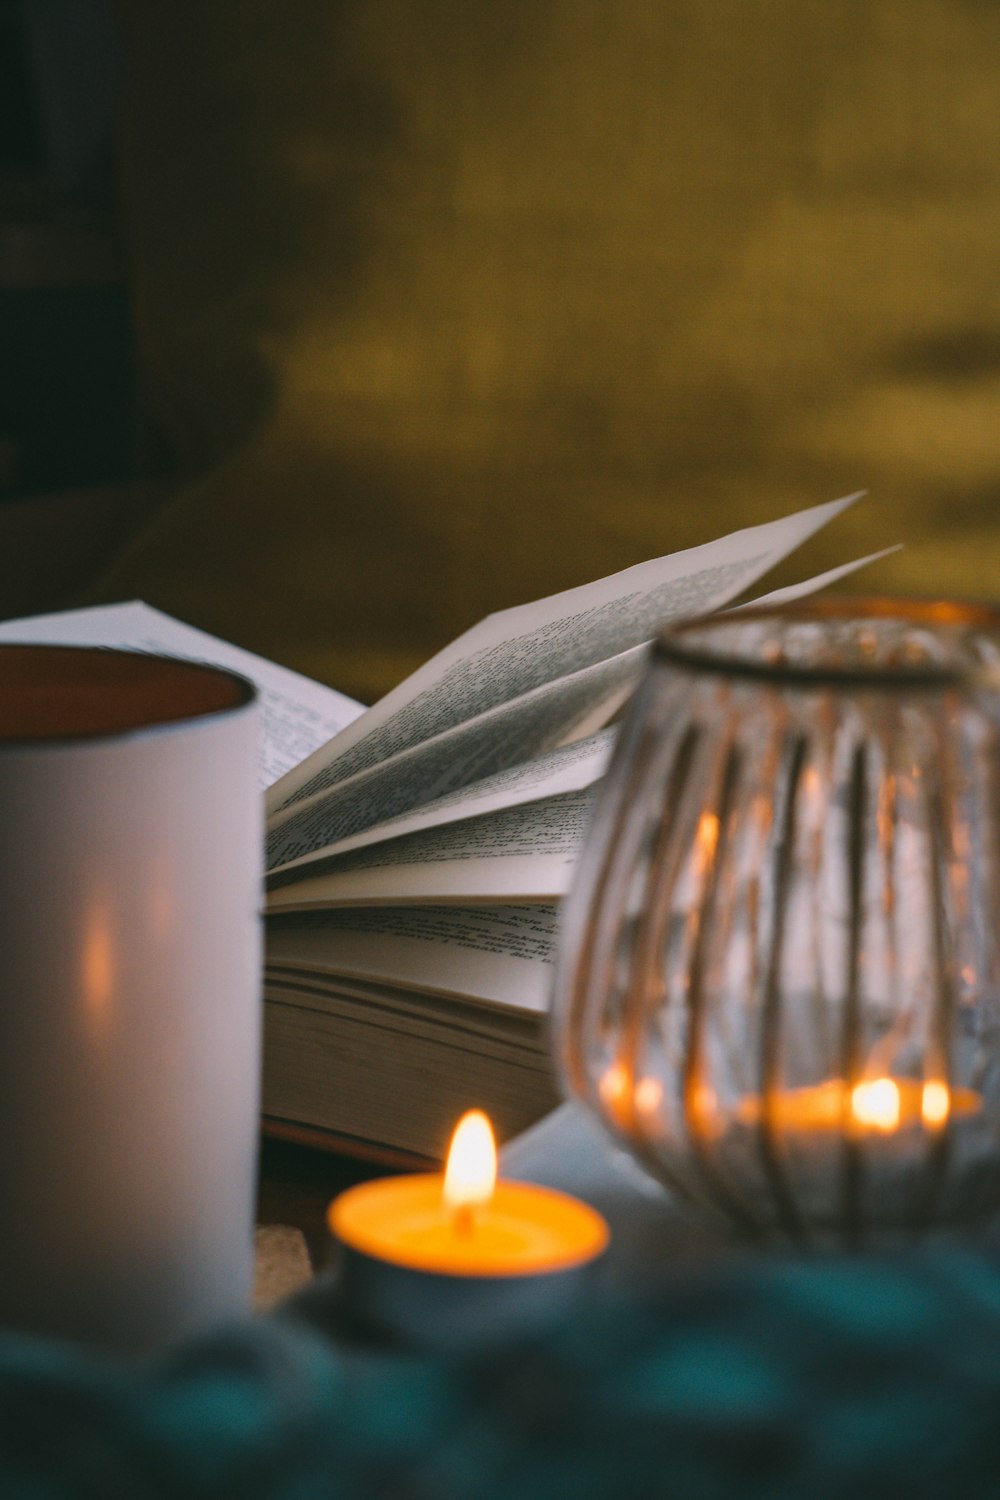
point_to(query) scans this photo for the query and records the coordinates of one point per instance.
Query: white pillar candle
(130, 875)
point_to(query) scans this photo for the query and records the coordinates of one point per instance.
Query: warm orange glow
(471, 1170)
(706, 840)
(880, 1105)
(875, 1103)
(702, 1107)
(818, 1108)
(98, 964)
(935, 1104)
(617, 1094)
(648, 1096)
(624, 1098)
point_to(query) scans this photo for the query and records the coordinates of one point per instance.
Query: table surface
(295, 1185)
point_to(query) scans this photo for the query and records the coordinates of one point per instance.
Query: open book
(417, 851)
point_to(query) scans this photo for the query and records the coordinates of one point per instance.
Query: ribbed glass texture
(779, 974)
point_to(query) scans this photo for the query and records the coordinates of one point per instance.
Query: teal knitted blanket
(766, 1377)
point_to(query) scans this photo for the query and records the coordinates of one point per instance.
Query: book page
(297, 714)
(524, 853)
(794, 591)
(364, 1073)
(569, 768)
(519, 649)
(503, 737)
(477, 853)
(499, 956)
(373, 804)
(390, 1007)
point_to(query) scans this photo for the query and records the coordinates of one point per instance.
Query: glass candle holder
(778, 982)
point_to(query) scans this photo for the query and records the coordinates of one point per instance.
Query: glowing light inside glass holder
(876, 1104)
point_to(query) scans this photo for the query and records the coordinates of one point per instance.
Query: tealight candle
(875, 1105)
(841, 1162)
(439, 1257)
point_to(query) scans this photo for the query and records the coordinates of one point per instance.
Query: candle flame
(876, 1103)
(471, 1171)
(935, 1103)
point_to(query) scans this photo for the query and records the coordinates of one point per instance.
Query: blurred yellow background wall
(444, 305)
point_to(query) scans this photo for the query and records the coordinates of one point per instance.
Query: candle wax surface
(524, 1229)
